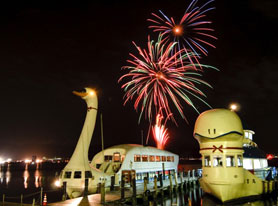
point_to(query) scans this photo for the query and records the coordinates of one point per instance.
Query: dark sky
(49, 49)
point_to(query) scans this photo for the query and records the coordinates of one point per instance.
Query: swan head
(89, 95)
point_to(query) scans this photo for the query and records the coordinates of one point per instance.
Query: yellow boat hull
(229, 191)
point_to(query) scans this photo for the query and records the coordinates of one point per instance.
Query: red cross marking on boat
(217, 148)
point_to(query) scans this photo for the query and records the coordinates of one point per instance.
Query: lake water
(27, 180)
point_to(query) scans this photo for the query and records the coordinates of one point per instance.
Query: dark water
(28, 180)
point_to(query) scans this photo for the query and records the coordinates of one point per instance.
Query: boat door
(128, 175)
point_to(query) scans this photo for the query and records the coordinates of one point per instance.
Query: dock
(143, 190)
(155, 188)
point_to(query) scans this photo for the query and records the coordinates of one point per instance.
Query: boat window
(257, 164)
(77, 175)
(157, 158)
(139, 176)
(151, 158)
(67, 175)
(88, 174)
(117, 157)
(168, 158)
(263, 162)
(230, 161)
(172, 159)
(144, 158)
(239, 161)
(207, 161)
(163, 158)
(217, 161)
(137, 158)
(107, 158)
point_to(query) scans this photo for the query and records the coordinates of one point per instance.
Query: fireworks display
(167, 73)
(160, 78)
(191, 32)
(160, 133)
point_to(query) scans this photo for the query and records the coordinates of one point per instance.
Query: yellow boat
(222, 143)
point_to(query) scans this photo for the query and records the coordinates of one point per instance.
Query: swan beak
(80, 94)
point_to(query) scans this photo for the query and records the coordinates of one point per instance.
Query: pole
(163, 170)
(122, 188)
(101, 130)
(41, 196)
(133, 179)
(142, 138)
(155, 186)
(64, 191)
(171, 183)
(86, 187)
(102, 192)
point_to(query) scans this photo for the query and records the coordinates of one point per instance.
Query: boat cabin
(144, 160)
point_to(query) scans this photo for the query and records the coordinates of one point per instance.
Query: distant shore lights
(2, 160)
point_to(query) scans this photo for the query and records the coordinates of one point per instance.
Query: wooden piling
(171, 183)
(160, 181)
(176, 182)
(122, 189)
(145, 194)
(134, 192)
(193, 178)
(21, 199)
(3, 199)
(64, 191)
(181, 178)
(163, 171)
(102, 192)
(155, 187)
(85, 193)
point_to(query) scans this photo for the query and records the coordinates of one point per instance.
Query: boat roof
(129, 147)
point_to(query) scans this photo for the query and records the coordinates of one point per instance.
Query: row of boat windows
(150, 175)
(218, 160)
(77, 174)
(153, 158)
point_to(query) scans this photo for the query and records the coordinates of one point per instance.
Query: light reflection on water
(31, 178)
(25, 178)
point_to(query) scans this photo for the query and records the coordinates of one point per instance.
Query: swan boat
(111, 163)
(232, 168)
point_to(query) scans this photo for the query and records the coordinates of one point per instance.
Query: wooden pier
(141, 191)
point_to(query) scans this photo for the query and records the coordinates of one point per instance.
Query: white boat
(144, 161)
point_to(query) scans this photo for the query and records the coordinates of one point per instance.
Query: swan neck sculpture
(79, 159)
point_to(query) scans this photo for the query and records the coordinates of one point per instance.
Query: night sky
(49, 49)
